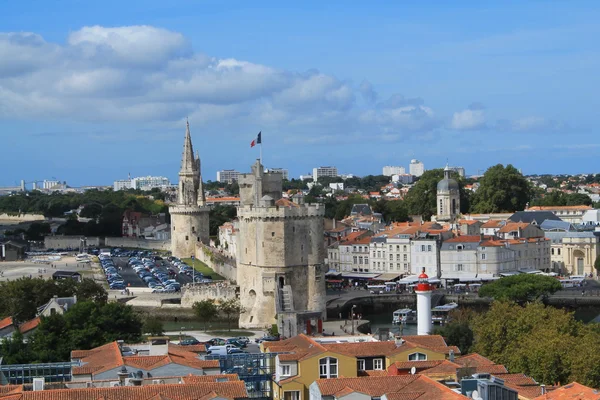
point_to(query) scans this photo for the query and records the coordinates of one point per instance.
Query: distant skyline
(92, 91)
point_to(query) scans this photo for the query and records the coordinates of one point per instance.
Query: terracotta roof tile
(513, 226)
(29, 325)
(195, 348)
(493, 223)
(6, 322)
(286, 203)
(517, 379)
(404, 396)
(562, 208)
(419, 365)
(373, 372)
(362, 349)
(193, 391)
(210, 378)
(473, 360)
(572, 391)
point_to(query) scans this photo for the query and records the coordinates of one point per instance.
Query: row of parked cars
(114, 279)
(185, 269)
(157, 278)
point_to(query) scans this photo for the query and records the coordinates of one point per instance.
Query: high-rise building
(459, 170)
(416, 167)
(227, 176)
(284, 172)
(389, 170)
(324, 171)
(189, 215)
(122, 184)
(149, 182)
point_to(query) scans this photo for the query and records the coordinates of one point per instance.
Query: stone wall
(215, 291)
(137, 243)
(73, 242)
(217, 261)
(22, 217)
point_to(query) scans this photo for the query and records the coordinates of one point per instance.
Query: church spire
(187, 161)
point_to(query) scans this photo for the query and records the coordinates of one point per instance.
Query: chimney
(159, 345)
(451, 355)
(122, 374)
(543, 388)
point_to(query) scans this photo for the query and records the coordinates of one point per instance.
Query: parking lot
(131, 278)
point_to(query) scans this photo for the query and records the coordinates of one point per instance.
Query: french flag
(256, 141)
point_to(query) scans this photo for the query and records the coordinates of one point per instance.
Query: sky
(91, 91)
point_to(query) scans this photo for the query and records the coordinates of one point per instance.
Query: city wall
(73, 242)
(22, 217)
(217, 261)
(216, 291)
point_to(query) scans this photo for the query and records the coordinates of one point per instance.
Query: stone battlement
(187, 210)
(308, 210)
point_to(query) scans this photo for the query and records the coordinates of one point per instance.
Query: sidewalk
(343, 328)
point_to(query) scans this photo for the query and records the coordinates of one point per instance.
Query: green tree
(597, 265)
(501, 189)
(521, 287)
(92, 210)
(37, 231)
(231, 307)
(153, 326)
(458, 332)
(14, 350)
(206, 311)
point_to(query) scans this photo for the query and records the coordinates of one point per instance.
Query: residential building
(390, 170)
(122, 184)
(470, 227)
(514, 230)
(354, 254)
(229, 200)
(424, 253)
(227, 176)
(57, 305)
(390, 252)
(136, 224)
(228, 238)
(303, 360)
(459, 170)
(573, 391)
(284, 172)
(491, 227)
(331, 172)
(405, 179)
(448, 198)
(533, 217)
(333, 257)
(416, 168)
(149, 182)
(12, 250)
(572, 214)
(7, 327)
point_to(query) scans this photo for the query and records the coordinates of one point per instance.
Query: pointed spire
(187, 161)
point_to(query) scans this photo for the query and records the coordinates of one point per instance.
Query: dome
(423, 276)
(447, 184)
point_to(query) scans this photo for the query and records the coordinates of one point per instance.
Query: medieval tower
(189, 215)
(280, 256)
(448, 198)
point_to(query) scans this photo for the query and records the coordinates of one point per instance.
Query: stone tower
(189, 215)
(280, 256)
(448, 198)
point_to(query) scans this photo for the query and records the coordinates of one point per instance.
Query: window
(422, 247)
(483, 256)
(398, 247)
(291, 395)
(328, 367)
(459, 248)
(459, 267)
(405, 258)
(379, 254)
(272, 234)
(353, 248)
(397, 257)
(391, 247)
(391, 257)
(428, 247)
(558, 251)
(406, 267)
(404, 248)
(354, 258)
(360, 260)
(398, 267)
(441, 207)
(186, 237)
(286, 370)
(360, 364)
(417, 357)
(378, 363)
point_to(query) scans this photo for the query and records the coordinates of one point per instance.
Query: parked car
(236, 343)
(267, 339)
(242, 339)
(189, 342)
(215, 342)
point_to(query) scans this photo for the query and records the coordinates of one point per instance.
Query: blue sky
(91, 91)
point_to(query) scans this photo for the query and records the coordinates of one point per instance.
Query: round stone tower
(423, 291)
(189, 215)
(448, 198)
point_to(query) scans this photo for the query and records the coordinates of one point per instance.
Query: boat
(439, 314)
(404, 316)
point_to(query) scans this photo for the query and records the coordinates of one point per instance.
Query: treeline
(91, 322)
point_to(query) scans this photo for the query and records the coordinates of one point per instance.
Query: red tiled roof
(99, 359)
(562, 208)
(195, 348)
(362, 349)
(473, 360)
(572, 391)
(286, 203)
(6, 322)
(513, 226)
(493, 223)
(29, 325)
(210, 378)
(221, 199)
(186, 391)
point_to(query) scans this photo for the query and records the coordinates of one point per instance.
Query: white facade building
(122, 184)
(284, 172)
(424, 254)
(149, 182)
(459, 170)
(227, 176)
(391, 254)
(324, 171)
(390, 170)
(405, 179)
(416, 168)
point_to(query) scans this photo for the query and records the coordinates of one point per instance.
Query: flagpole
(261, 152)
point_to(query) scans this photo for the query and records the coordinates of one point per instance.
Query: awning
(450, 277)
(434, 280)
(388, 276)
(409, 279)
(511, 273)
(332, 272)
(359, 275)
(530, 271)
(487, 277)
(469, 278)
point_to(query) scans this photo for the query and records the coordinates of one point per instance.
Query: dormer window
(459, 248)
(417, 357)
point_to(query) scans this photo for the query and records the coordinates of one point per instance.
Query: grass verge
(203, 268)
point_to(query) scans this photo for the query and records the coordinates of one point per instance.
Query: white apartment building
(333, 257)
(416, 168)
(354, 255)
(459, 170)
(390, 170)
(405, 179)
(424, 254)
(149, 182)
(391, 254)
(284, 172)
(227, 176)
(228, 238)
(324, 171)
(473, 258)
(122, 184)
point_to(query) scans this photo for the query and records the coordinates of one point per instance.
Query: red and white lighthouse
(423, 291)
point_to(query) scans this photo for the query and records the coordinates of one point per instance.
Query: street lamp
(193, 271)
(352, 317)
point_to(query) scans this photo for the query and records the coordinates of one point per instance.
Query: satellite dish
(475, 395)
(413, 370)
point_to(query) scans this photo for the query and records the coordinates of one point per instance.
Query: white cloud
(469, 119)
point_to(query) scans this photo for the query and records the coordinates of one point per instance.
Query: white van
(220, 350)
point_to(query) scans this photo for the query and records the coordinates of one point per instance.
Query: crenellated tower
(189, 215)
(280, 256)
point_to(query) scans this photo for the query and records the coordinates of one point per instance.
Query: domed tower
(423, 291)
(448, 198)
(189, 215)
